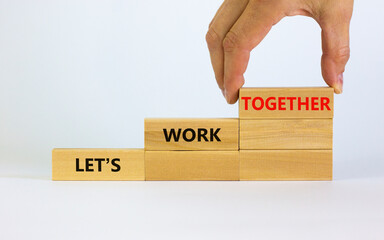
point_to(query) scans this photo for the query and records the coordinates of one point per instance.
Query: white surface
(42, 209)
(86, 74)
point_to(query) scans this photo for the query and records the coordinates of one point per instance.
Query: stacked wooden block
(281, 134)
(286, 134)
(192, 149)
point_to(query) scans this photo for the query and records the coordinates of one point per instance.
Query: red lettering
(246, 99)
(306, 103)
(268, 104)
(291, 102)
(281, 103)
(324, 103)
(254, 103)
(314, 103)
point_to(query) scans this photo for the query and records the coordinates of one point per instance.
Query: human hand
(240, 25)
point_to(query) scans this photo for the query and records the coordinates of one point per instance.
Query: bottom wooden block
(98, 164)
(192, 165)
(286, 165)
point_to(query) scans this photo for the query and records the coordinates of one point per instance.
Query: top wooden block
(314, 102)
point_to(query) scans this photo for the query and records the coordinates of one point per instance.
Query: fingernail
(223, 92)
(339, 84)
(226, 95)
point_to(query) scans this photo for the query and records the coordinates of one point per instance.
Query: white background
(87, 73)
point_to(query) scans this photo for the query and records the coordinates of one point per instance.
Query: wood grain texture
(289, 107)
(156, 138)
(91, 164)
(264, 134)
(192, 165)
(285, 165)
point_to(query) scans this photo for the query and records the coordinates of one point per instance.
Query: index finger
(249, 30)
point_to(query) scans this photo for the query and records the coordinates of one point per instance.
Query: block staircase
(281, 134)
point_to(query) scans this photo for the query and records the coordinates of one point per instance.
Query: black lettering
(201, 133)
(88, 164)
(78, 169)
(99, 161)
(172, 133)
(185, 135)
(113, 162)
(214, 135)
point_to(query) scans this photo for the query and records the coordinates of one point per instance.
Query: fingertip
(338, 88)
(332, 74)
(231, 97)
(335, 82)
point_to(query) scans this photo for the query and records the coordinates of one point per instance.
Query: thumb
(335, 45)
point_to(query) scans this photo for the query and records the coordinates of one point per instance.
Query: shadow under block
(191, 165)
(315, 102)
(98, 164)
(279, 134)
(285, 165)
(191, 134)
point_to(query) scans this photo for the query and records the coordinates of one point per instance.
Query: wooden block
(286, 103)
(264, 134)
(285, 165)
(98, 164)
(191, 134)
(192, 165)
